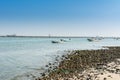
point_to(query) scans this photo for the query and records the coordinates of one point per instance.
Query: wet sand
(101, 64)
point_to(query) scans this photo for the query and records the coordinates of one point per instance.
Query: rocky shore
(101, 64)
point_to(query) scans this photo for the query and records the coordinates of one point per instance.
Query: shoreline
(72, 66)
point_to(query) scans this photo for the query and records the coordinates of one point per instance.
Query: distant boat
(55, 41)
(60, 41)
(99, 38)
(63, 40)
(92, 39)
(117, 38)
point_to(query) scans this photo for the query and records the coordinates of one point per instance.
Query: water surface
(22, 55)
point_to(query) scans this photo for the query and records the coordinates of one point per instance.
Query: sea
(27, 55)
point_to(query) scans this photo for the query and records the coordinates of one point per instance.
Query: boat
(59, 41)
(63, 40)
(117, 38)
(92, 39)
(55, 41)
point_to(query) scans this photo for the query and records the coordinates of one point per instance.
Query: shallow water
(25, 55)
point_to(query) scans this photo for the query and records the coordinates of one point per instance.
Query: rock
(104, 78)
(43, 74)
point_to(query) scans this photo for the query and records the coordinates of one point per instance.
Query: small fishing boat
(55, 41)
(63, 40)
(92, 39)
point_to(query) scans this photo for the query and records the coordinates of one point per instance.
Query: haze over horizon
(60, 17)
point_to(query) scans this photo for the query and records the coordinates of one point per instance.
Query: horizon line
(58, 36)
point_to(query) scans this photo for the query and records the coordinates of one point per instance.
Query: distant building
(14, 35)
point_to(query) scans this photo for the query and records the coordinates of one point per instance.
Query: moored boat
(92, 39)
(63, 40)
(55, 41)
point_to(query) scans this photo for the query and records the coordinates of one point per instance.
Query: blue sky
(60, 17)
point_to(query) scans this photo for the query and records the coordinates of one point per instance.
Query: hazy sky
(60, 17)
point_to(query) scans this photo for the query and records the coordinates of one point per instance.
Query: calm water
(25, 55)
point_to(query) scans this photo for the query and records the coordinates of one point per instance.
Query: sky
(60, 17)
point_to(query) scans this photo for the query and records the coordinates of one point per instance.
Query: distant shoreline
(55, 36)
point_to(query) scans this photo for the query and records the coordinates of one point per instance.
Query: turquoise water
(25, 55)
